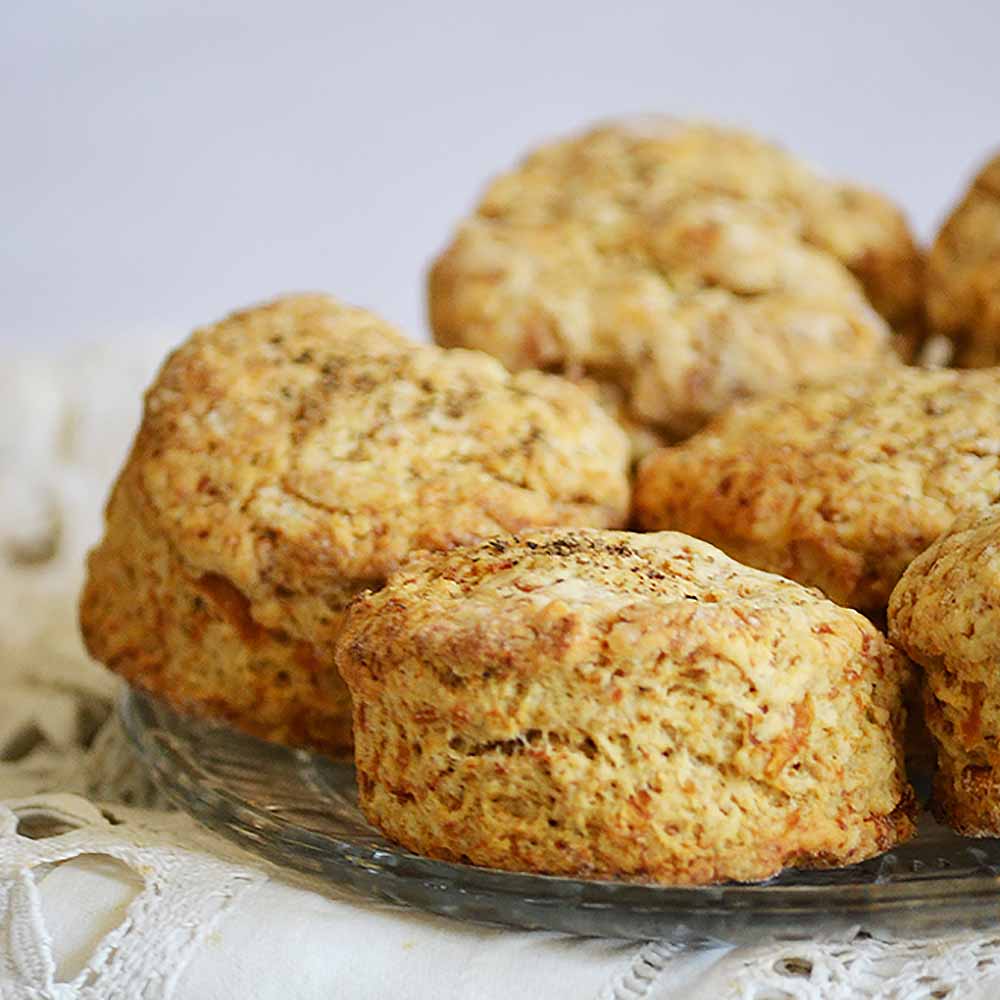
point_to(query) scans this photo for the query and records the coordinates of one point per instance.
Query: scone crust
(838, 486)
(963, 273)
(945, 613)
(609, 704)
(687, 264)
(292, 455)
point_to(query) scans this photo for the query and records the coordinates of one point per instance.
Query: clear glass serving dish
(300, 810)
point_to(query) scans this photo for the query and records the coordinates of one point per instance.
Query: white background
(161, 163)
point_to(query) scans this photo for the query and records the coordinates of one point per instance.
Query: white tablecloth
(106, 894)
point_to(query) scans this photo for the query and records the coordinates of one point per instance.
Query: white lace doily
(105, 894)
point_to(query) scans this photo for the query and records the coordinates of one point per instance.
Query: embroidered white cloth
(105, 894)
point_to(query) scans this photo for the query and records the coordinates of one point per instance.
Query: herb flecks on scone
(294, 454)
(839, 486)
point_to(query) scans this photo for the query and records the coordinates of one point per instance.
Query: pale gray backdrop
(161, 162)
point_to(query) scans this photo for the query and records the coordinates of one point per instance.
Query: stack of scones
(640, 569)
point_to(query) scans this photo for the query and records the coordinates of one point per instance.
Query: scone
(599, 703)
(963, 273)
(291, 456)
(838, 486)
(945, 613)
(686, 265)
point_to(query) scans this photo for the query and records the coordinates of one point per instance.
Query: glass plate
(300, 810)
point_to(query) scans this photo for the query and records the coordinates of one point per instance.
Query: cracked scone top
(292, 455)
(945, 613)
(838, 486)
(686, 265)
(611, 704)
(963, 273)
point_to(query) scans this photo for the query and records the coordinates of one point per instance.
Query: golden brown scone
(945, 613)
(838, 486)
(292, 455)
(963, 273)
(607, 704)
(688, 265)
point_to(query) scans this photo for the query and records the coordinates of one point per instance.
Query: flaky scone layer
(963, 273)
(688, 265)
(945, 613)
(838, 486)
(292, 455)
(618, 705)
